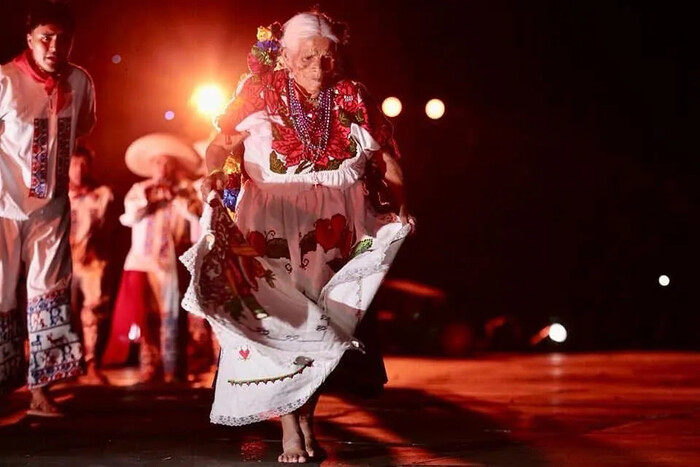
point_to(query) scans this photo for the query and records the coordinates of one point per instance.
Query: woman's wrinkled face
(311, 63)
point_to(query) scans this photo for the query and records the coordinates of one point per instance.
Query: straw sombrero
(201, 148)
(141, 152)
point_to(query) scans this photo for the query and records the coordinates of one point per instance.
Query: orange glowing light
(391, 106)
(557, 333)
(435, 108)
(209, 99)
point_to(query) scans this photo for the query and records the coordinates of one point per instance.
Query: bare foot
(292, 441)
(94, 376)
(151, 377)
(313, 448)
(43, 405)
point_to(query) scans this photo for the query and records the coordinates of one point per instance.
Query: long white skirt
(284, 288)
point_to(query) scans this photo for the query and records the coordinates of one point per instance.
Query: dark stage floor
(603, 409)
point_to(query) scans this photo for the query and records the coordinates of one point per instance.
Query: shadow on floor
(108, 425)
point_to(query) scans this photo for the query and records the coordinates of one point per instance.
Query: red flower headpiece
(264, 55)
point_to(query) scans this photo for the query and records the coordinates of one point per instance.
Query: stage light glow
(457, 339)
(435, 108)
(557, 333)
(386, 315)
(664, 280)
(134, 332)
(209, 99)
(116, 58)
(391, 106)
(169, 115)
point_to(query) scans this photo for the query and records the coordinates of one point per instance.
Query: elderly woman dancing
(294, 247)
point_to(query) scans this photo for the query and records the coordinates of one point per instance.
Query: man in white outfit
(45, 104)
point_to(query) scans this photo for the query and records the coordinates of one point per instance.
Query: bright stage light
(664, 280)
(557, 333)
(134, 332)
(391, 106)
(209, 99)
(435, 108)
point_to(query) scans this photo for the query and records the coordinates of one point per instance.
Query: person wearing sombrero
(159, 211)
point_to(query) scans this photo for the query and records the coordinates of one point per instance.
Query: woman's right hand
(406, 218)
(215, 181)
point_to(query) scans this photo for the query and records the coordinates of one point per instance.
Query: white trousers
(41, 309)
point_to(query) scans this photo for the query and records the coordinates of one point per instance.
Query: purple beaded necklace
(318, 124)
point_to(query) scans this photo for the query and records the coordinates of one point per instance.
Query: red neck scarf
(50, 81)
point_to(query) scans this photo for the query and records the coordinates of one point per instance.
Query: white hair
(305, 25)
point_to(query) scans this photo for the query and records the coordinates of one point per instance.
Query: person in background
(46, 103)
(159, 212)
(92, 221)
(203, 347)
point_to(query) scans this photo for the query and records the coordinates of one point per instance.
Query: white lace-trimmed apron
(306, 255)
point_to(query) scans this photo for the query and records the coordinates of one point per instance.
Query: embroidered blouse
(276, 156)
(36, 140)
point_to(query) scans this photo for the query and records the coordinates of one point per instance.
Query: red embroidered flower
(258, 242)
(349, 107)
(346, 96)
(286, 142)
(273, 84)
(329, 232)
(254, 64)
(321, 162)
(249, 100)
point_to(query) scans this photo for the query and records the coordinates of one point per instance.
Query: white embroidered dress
(285, 286)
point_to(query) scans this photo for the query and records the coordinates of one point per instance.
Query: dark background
(559, 184)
